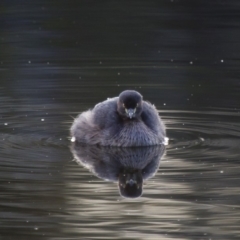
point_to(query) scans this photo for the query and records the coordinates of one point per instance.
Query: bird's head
(130, 104)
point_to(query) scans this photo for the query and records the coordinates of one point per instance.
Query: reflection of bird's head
(130, 183)
(130, 104)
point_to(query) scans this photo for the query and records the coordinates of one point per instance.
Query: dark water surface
(58, 58)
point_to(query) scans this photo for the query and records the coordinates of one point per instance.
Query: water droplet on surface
(166, 140)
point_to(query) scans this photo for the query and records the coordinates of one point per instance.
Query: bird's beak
(130, 112)
(131, 182)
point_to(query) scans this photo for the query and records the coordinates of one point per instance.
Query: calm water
(59, 58)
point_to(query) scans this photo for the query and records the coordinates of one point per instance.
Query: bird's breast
(134, 133)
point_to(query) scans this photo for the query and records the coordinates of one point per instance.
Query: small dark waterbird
(124, 121)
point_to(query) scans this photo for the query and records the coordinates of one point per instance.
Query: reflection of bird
(127, 166)
(124, 121)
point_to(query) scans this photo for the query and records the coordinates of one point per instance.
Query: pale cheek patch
(87, 115)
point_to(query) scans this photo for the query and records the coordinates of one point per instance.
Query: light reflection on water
(193, 195)
(127, 166)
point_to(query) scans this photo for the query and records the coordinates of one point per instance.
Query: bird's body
(111, 123)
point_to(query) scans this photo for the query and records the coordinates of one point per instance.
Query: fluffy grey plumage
(124, 121)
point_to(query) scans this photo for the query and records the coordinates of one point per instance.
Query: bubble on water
(221, 171)
(5, 124)
(73, 139)
(42, 119)
(166, 140)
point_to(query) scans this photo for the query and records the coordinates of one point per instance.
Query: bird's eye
(123, 105)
